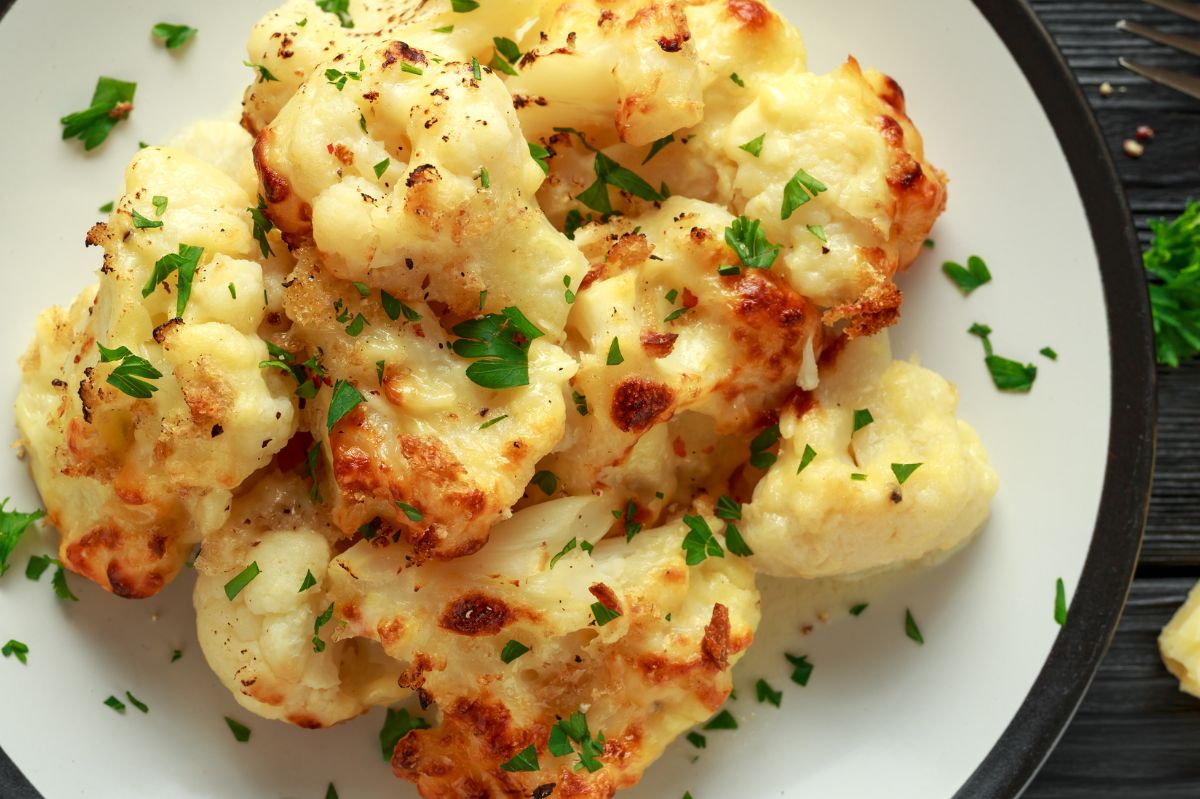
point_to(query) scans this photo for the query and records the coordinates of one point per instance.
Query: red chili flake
(329, 147)
(690, 300)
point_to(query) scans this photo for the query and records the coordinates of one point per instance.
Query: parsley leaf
(140, 705)
(1007, 374)
(382, 167)
(610, 173)
(15, 648)
(567, 547)
(115, 704)
(801, 668)
(903, 471)
(657, 146)
(1049, 353)
(173, 36)
(512, 650)
(241, 733)
(857, 610)
(799, 190)
(547, 481)
(394, 308)
(112, 101)
(345, 398)
(760, 456)
(806, 458)
(141, 223)
(970, 277)
(413, 514)
(264, 74)
(911, 629)
(748, 240)
(243, 579)
(603, 614)
(129, 373)
(37, 567)
(338, 78)
(526, 759)
(13, 525)
(862, 418)
(754, 146)
(734, 77)
(819, 232)
(722, 721)
(615, 358)
(321, 621)
(735, 543)
(765, 693)
(262, 226)
(1173, 266)
(728, 509)
(339, 7)
(185, 262)
(581, 404)
(499, 344)
(396, 725)
(697, 740)
(1060, 603)
(539, 154)
(700, 543)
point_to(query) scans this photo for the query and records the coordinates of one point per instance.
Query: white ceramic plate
(881, 715)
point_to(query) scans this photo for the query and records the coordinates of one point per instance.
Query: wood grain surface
(1136, 736)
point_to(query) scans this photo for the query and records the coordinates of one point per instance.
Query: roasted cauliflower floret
(209, 419)
(660, 331)
(821, 520)
(433, 201)
(639, 678)
(1179, 644)
(429, 452)
(267, 644)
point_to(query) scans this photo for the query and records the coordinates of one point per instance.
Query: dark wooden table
(1136, 735)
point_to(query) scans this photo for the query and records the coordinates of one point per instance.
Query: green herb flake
(241, 733)
(115, 704)
(311, 459)
(463, 6)
(765, 693)
(657, 146)
(754, 146)
(911, 629)
(59, 583)
(176, 655)
(545, 480)
(862, 418)
(734, 77)
(331, 792)
(491, 422)
(13, 525)
(1173, 266)
(526, 759)
(1060, 602)
(798, 191)
(722, 721)
(302, 23)
(728, 509)
(308, 582)
(970, 277)
(735, 543)
(339, 7)
(801, 668)
(185, 262)
(130, 376)
(173, 36)
(903, 471)
(133, 700)
(806, 458)
(567, 547)
(512, 650)
(760, 455)
(411, 512)
(262, 226)
(749, 242)
(16, 649)
(580, 401)
(141, 223)
(444, 29)
(107, 207)
(857, 610)
(499, 345)
(363, 289)
(615, 358)
(355, 328)
(1049, 353)
(819, 232)
(264, 74)
(539, 154)
(37, 566)
(396, 725)
(603, 614)
(697, 740)
(700, 544)
(321, 621)
(485, 179)
(476, 72)
(858, 477)
(345, 399)
(411, 69)
(243, 579)
(382, 167)
(232, 291)
(1007, 374)
(112, 101)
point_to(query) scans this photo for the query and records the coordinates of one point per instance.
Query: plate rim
(1099, 599)
(1108, 570)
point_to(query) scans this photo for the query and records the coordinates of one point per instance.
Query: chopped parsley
(382, 167)
(610, 173)
(232, 291)
(394, 308)
(749, 242)
(262, 226)
(735, 543)
(115, 704)
(491, 422)
(331, 792)
(463, 6)
(411, 69)
(1007, 374)
(858, 477)
(754, 146)
(526, 759)
(444, 29)
(264, 74)
(355, 328)
(575, 728)
(970, 277)
(700, 544)
(311, 458)
(903, 471)
(697, 740)
(107, 207)
(857, 610)
(722, 721)
(185, 263)
(337, 78)
(568, 295)
(1173, 266)
(580, 401)
(176, 655)
(112, 101)
(862, 418)
(728, 509)
(1049, 353)
(241, 733)
(476, 72)
(321, 621)
(37, 567)
(573, 222)
(911, 629)
(765, 693)
(339, 7)
(539, 154)
(15, 648)
(485, 179)
(13, 525)
(760, 455)
(604, 614)
(806, 458)
(173, 36)
(615, 358)
(657, 146)
(396, 725)
(567, 547)
(345, 399)
(132, 373)
(243, 579)
(628, 521)
(411, 512)
(499, 345)
(801, 668)
(547, 481)
(512, 650)
(133, 700)
(141, 223)
(363, 289)
(799, 190)
(1060, 602)
(505, 54)
(734, 77)
(819, 232)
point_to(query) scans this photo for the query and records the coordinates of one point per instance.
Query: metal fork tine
(1184, 43)
(1180, 7)
(1188, 84)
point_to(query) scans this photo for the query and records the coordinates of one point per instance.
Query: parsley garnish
(568, 295)
(657, 146)
(575, 728)
(697, 740)
(512, 650)
(626, 517)
(37, 567)
(806, 458)
(107, 207)
(394, 308)
(801, 668)
(610, 173)
(603, 614)
(734, 77)
(311, 459)
(491, 422)
(970, 277)
(133, 700)
(567, 547)
(748, 240)
(760, 457)
(799, 190)
(339, 7)
(476, 72)
(243, 579)
(862, 418)
(1173, 264)
(858, 609)
(499, 344)
(444, 29)
(581, 404)
(754, 146)
(185, 262)
(911, 629)
(1007, 374)
(396, 725)
(722, 721)
(903, 471)
(547, 481)
(241, 733)
(262, 226)
(766, 693)
(858, 476)
(735, 543)
(615, 358)
(539, 154)
(15, 648)
(321, 621)
(573, 222)
(115, 704)
(411, 69)
(728, 509)
(355, 328)
(819, 232)
(111, 102)
(1060, 603)
(176, 655)
(485, 179)
(140, 222)
(128, 375)
(264, 74)
(526, 759)
(382, 167)
(13, 525)
(338, 78)
(411, 512)
(173, 36)
(700, 543)
(1049, 353)
(345, 399)
(331, 792)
